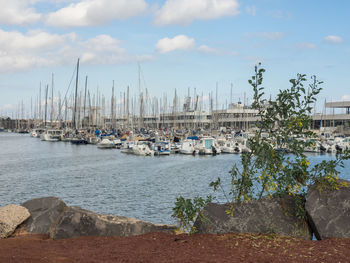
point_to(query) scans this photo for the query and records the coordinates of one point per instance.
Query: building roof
(338, 104)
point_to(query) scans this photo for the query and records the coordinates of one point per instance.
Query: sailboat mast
(140, 97)
(127, 109)
(76, 96)
(47, 89)
(86, 79)
(231, 96)
(216, 107)
(40, 116)
(59, 111)
(51, 115)
(112, 107)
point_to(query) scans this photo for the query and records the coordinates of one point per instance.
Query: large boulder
(11, 216)
(75, 221)
(329, 210)
(44, 212)
(265, 216)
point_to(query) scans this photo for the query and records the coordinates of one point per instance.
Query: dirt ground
(160, 247)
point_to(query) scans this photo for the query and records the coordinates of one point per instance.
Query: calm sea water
(108, 181)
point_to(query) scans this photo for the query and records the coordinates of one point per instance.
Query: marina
(109, 181)
(174, 131)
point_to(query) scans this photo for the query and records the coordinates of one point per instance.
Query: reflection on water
(107, 181)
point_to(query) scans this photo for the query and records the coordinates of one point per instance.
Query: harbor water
(108, 181)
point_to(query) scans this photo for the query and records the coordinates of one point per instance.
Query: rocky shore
(52, 217)
(327, 215)
(47, 230)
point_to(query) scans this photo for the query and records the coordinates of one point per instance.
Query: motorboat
(187, 147)
(35, 133)
(231, 146)
(117, 143)
(51, 135)
(161, 148)
(78, 140)
(207, 146)
(142, 149)
(127, 147)
(105, 144)
(93, 139)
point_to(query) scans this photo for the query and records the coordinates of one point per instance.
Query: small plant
(187, 211)
(276, 164)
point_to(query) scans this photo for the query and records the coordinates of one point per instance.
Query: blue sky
(179, 44)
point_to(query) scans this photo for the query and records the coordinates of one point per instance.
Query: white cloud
(18, 12)
(100, 50)
(34, 40)
(306, 45)
(23, 51)
(251, 10)
(333, 39)
(180, 42)
(184, 43)
(184, 12)
(95, 12)
(20, 51)
(103, 49)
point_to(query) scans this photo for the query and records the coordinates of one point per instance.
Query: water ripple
(107, 181)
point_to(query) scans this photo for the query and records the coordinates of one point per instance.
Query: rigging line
(65, 96)
(143, 78)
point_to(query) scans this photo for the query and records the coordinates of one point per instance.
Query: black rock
(75, 221)
(43, 213)
(265, 216)
(329, 211)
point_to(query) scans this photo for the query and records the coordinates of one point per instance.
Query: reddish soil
(160, 247)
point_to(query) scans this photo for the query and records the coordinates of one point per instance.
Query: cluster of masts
(84, 110)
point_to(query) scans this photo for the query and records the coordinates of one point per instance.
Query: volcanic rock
(329, 211)
(75, 221)
(11, 216)
(265, 216)
(44, 212)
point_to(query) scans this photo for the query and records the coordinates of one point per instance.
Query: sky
(179, 44)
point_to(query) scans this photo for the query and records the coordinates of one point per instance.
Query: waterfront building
(236, 116)
(339, 121)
